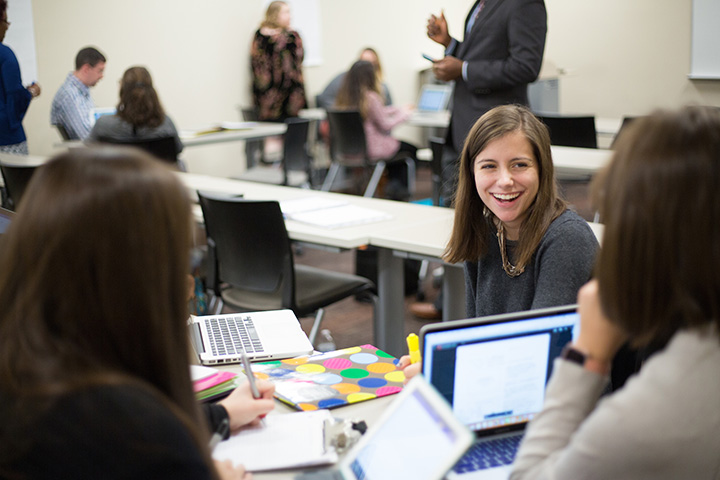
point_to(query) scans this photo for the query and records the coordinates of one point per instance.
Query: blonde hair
(271, 14)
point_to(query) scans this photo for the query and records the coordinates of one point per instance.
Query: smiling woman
(523, 249)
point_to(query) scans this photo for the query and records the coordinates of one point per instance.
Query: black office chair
(295, 168)
(63, 133)
(163, 148)
(570, 131)
(16, 179)
(437, 146)
(348, 149)
(251, 265)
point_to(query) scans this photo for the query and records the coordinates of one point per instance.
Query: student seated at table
(139, 116)
(521, 246)
(361, 91)
(94, 350)
(327, 98)
(656, 281)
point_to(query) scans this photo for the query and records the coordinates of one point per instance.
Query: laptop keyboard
(228, 332)
(487, 454)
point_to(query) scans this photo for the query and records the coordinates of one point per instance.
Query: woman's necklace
(511, 270)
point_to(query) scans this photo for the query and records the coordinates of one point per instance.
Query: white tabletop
(260, 130)
(575, 160)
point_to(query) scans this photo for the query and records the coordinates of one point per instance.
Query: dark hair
(90, 56)
(97, 253)
(658, 266)
(3, 7)
(472, 226)
(139, 103)
(360, 79)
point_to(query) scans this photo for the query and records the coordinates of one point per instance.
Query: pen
(219, 434)
(250, 376)
(413, 347)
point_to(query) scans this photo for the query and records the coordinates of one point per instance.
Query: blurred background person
(14, 97)
(327, 98)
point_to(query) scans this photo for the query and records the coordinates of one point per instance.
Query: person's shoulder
(570, 225)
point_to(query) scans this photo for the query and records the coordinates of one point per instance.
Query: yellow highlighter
(413, 347)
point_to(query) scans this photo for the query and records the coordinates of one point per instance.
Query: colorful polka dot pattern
(333, 379)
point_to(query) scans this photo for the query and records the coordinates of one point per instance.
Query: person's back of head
(658, 199)
(139, 104)
(360, 79)
(93, 278)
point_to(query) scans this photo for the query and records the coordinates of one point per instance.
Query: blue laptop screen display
(494, 374)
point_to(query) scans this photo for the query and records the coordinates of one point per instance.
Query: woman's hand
(243, 409)
(409, 369)
(599, 338)
(226, 471)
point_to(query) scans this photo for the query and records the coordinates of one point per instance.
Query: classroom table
(417, 119)
(418, 230)
(255, 131)
(579, 161)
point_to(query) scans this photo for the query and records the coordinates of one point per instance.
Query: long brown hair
(658, 199)
(93, 283)
(473, 227)
(360, 79)
(139, 103)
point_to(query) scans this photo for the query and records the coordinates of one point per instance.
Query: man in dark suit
(501, 53)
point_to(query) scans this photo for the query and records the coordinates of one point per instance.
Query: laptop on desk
(260, 335)
(417, 437)
(493, 371)
(434, 99)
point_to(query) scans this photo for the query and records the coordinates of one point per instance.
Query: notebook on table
(260, 335)
(417, 437)
(493, 371)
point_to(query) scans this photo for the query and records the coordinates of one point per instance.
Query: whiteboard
(21, 38)
(705, 49)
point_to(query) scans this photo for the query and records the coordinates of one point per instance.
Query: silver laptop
(434, 98)
(493, 371)
(417, 437)
(260, 335)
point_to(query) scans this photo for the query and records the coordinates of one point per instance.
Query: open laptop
(434, 98)
(416, 437)
(98, 112)
(6, 217)
(493, 371)
(260, 335)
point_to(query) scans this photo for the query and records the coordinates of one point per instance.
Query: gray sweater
(112, 126)
(561, 264)
(663, 424)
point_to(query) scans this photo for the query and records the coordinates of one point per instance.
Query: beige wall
(620, 57)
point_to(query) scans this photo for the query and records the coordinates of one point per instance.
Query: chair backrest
(437, 146)
(251, 245)
(163, 148)
(571, 131)
(63, 133)
(347, 136)
(16, 179)
(250, 114)
(295, 151)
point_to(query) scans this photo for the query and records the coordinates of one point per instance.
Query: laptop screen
(5, 219)
(493, 371)
(434, 98)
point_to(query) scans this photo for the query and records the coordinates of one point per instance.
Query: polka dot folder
(333, 379)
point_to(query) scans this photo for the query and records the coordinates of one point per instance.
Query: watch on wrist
(572, 354)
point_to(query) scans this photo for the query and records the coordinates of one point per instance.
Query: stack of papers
(220, 127)
(210, 384)
(329, 212)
